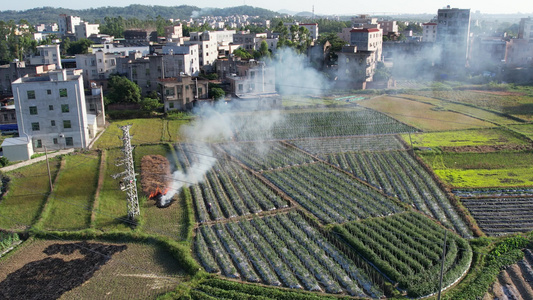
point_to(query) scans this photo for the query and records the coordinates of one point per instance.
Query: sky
(330, 7)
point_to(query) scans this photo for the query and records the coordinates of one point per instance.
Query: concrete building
(429, 32)
(388, 27)
(208, 42)
(365, 21)
(51, 111)
(16, 70)
(355, 68)
(453, 31)
(48, 54)
(519, 53)
(182, 92)
(173, 32)
(368, 39)
(525, 29)
(67, 24)
(84, 30)
(121, 49)
(313, 29)
(97, 66)
(249, 41)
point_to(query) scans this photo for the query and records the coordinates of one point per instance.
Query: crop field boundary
(100, 184)
(463, 212)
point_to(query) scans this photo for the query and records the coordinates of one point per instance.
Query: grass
(459, 138)
(525, 129)
(143, 131)
(468, 110)
(27, 193)
(112, 201)
(70, 204)
(421, 115)
(476, 170)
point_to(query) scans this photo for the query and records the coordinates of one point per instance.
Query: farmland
(307, 202)
(423, 116)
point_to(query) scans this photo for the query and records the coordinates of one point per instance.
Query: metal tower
(128, 182)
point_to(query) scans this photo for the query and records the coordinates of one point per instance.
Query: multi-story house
(208, 42)
(525, 29)
(48, 54)
(453, 30)
(67, 24)
(17, 69)
(84, 30)
(368, 40)
(51, 111)
(182, 92)
(388, 27)
(174, 32)
(355, 68)
(97, 66)
(429, 32)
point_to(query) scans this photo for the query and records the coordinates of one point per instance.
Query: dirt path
(101, 177)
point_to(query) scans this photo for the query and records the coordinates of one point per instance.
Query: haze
(339, 7)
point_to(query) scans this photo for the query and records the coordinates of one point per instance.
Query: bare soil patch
(63, 267)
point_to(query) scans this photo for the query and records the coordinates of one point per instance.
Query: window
(169, 92)
(65, 108)
(49, 92)
(69, 141)
(50, 107)
(33, 110)
(171, 105)
(52, 123)
(240, 87)
(55, 141)
(66, 124)
(5, 117)
(63, 93)
(31, 94)
(35, 126)
(199, 91)
(92, 107)
(38, 144)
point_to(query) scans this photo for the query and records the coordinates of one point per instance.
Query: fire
(158, 192)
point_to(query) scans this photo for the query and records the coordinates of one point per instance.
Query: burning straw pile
(155, 176)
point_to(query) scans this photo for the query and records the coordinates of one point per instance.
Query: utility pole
(128, 176)
(48, 167)
(442, 263)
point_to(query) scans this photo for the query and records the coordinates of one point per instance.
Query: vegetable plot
(407, 248)
(332, 196)
(400, 175)
(341, 145)
(360, 121)
(501, 215)
(281, 250)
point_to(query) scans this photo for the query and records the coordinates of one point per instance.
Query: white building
(84, 30)
(67, 24)
(453, 30)
(313, 29)
(174, 32)
(388, 27)
(429, 32)
(367, 39)
(51, 111)
(208, 42)
(48, 54)
(96, 66)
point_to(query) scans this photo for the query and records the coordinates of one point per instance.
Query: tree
(239, 52)
(215, 92)
(79, 47)
(149, 104)
(263, 49)
(123, 90)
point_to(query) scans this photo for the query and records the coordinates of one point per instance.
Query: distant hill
(183, 12)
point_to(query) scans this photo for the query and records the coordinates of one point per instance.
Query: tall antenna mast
(128, 182)
(313, 11)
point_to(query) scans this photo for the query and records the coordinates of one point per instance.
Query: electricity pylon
(128, 182)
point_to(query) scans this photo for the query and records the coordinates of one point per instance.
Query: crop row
(516, 192)
(407, 248)
(497, 216)
(7, 239)
(281, 250)
(401, 176)
(229, 191)
(266, 155)
(320, 124)
(332, 196)
(346, 144)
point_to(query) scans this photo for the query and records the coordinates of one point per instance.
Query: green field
(70, 204)
(143, 131)
(482, 169)
(27, 194)
(460, 138)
